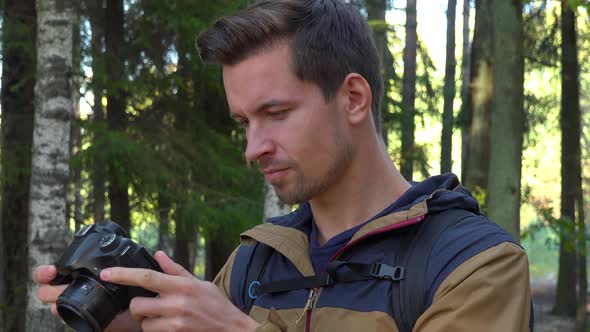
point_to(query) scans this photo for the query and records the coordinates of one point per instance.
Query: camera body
(88, 303)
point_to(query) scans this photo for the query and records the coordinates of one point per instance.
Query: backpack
(407, 279)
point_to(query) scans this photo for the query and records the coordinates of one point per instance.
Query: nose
(259, 143)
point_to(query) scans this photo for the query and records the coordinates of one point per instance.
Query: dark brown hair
(329, 40)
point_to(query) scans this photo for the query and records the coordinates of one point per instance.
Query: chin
(290, 198)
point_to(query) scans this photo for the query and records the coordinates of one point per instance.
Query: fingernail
(50, 271)
(105, 274)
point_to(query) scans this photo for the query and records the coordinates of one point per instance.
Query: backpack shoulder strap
(408, 295)
(249, 266)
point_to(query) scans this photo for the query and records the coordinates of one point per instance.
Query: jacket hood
(289, 234)
(435, 194)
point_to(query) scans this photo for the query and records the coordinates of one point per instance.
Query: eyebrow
(269, 104)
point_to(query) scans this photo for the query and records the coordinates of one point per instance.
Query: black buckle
(326, 280)
(384, 271)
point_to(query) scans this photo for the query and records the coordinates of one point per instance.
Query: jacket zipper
(308, 307)
(314, 300)
(314, 293)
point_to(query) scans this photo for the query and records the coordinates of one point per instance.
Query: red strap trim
(402, 224)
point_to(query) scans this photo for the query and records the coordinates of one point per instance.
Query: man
(302, 77)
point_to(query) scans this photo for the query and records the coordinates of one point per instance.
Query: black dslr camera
(89, 304)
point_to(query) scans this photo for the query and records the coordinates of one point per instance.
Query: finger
(43, 274)
(124, 322)
(171, 267)
(141, 308)
(54, 310)
(49, 294)
(149, 279)
(158, 324)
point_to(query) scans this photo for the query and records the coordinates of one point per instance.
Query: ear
(358, 97)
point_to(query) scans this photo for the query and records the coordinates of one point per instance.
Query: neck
(370, 184)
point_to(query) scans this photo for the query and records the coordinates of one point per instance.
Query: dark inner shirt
(320, 255)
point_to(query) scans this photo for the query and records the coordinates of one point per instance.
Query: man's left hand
(185, 302)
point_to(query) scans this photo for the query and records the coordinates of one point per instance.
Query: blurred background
(107, 113)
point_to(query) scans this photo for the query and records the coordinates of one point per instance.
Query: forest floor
(543, 299)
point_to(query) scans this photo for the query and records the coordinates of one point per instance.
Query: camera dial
(109, 242)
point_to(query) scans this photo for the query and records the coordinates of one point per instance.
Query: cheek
(318, 146)
(308, 136)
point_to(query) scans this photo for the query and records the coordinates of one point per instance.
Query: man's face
(301, 143)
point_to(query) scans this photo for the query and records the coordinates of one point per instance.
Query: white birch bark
(48, 235)
(272, 204)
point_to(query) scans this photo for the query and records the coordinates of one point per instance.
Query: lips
(274, 175)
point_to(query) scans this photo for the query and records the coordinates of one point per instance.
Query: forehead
(262, 76)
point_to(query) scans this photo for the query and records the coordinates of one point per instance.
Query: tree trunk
(446, 158)
(565, 298)
(116, 115)
(217, 249)
(376, 15)
(479, 100)
(507, 116)
(273, 206)
(182, 243)
(75, 133)
(96, 14)
(581, 319)
(164, 242)
(409, 92)
(465, 116)
(18, 79)
(50, 161)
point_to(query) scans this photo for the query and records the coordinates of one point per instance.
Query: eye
(279, 114)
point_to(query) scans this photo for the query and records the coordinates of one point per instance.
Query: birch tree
(48, 235)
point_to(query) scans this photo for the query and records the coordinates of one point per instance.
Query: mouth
(275, 174)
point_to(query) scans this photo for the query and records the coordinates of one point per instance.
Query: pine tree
(409, 92)
(18, 80)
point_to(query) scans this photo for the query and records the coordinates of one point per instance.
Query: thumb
(170, 267)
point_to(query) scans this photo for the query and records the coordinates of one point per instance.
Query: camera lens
(87, 306)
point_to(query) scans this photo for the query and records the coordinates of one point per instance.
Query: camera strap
(336, 272)
(408, 289)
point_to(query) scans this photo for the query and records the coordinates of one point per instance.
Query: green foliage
(574, 4)
(428, 99)
(179, 141)
(541, 35)
(481, 195)
(542, 246)
(546, 223)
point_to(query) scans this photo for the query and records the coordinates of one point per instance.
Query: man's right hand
(48, 294)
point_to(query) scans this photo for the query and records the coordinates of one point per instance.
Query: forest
(108, 113)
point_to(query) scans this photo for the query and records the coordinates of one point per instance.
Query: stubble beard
(306, 188)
